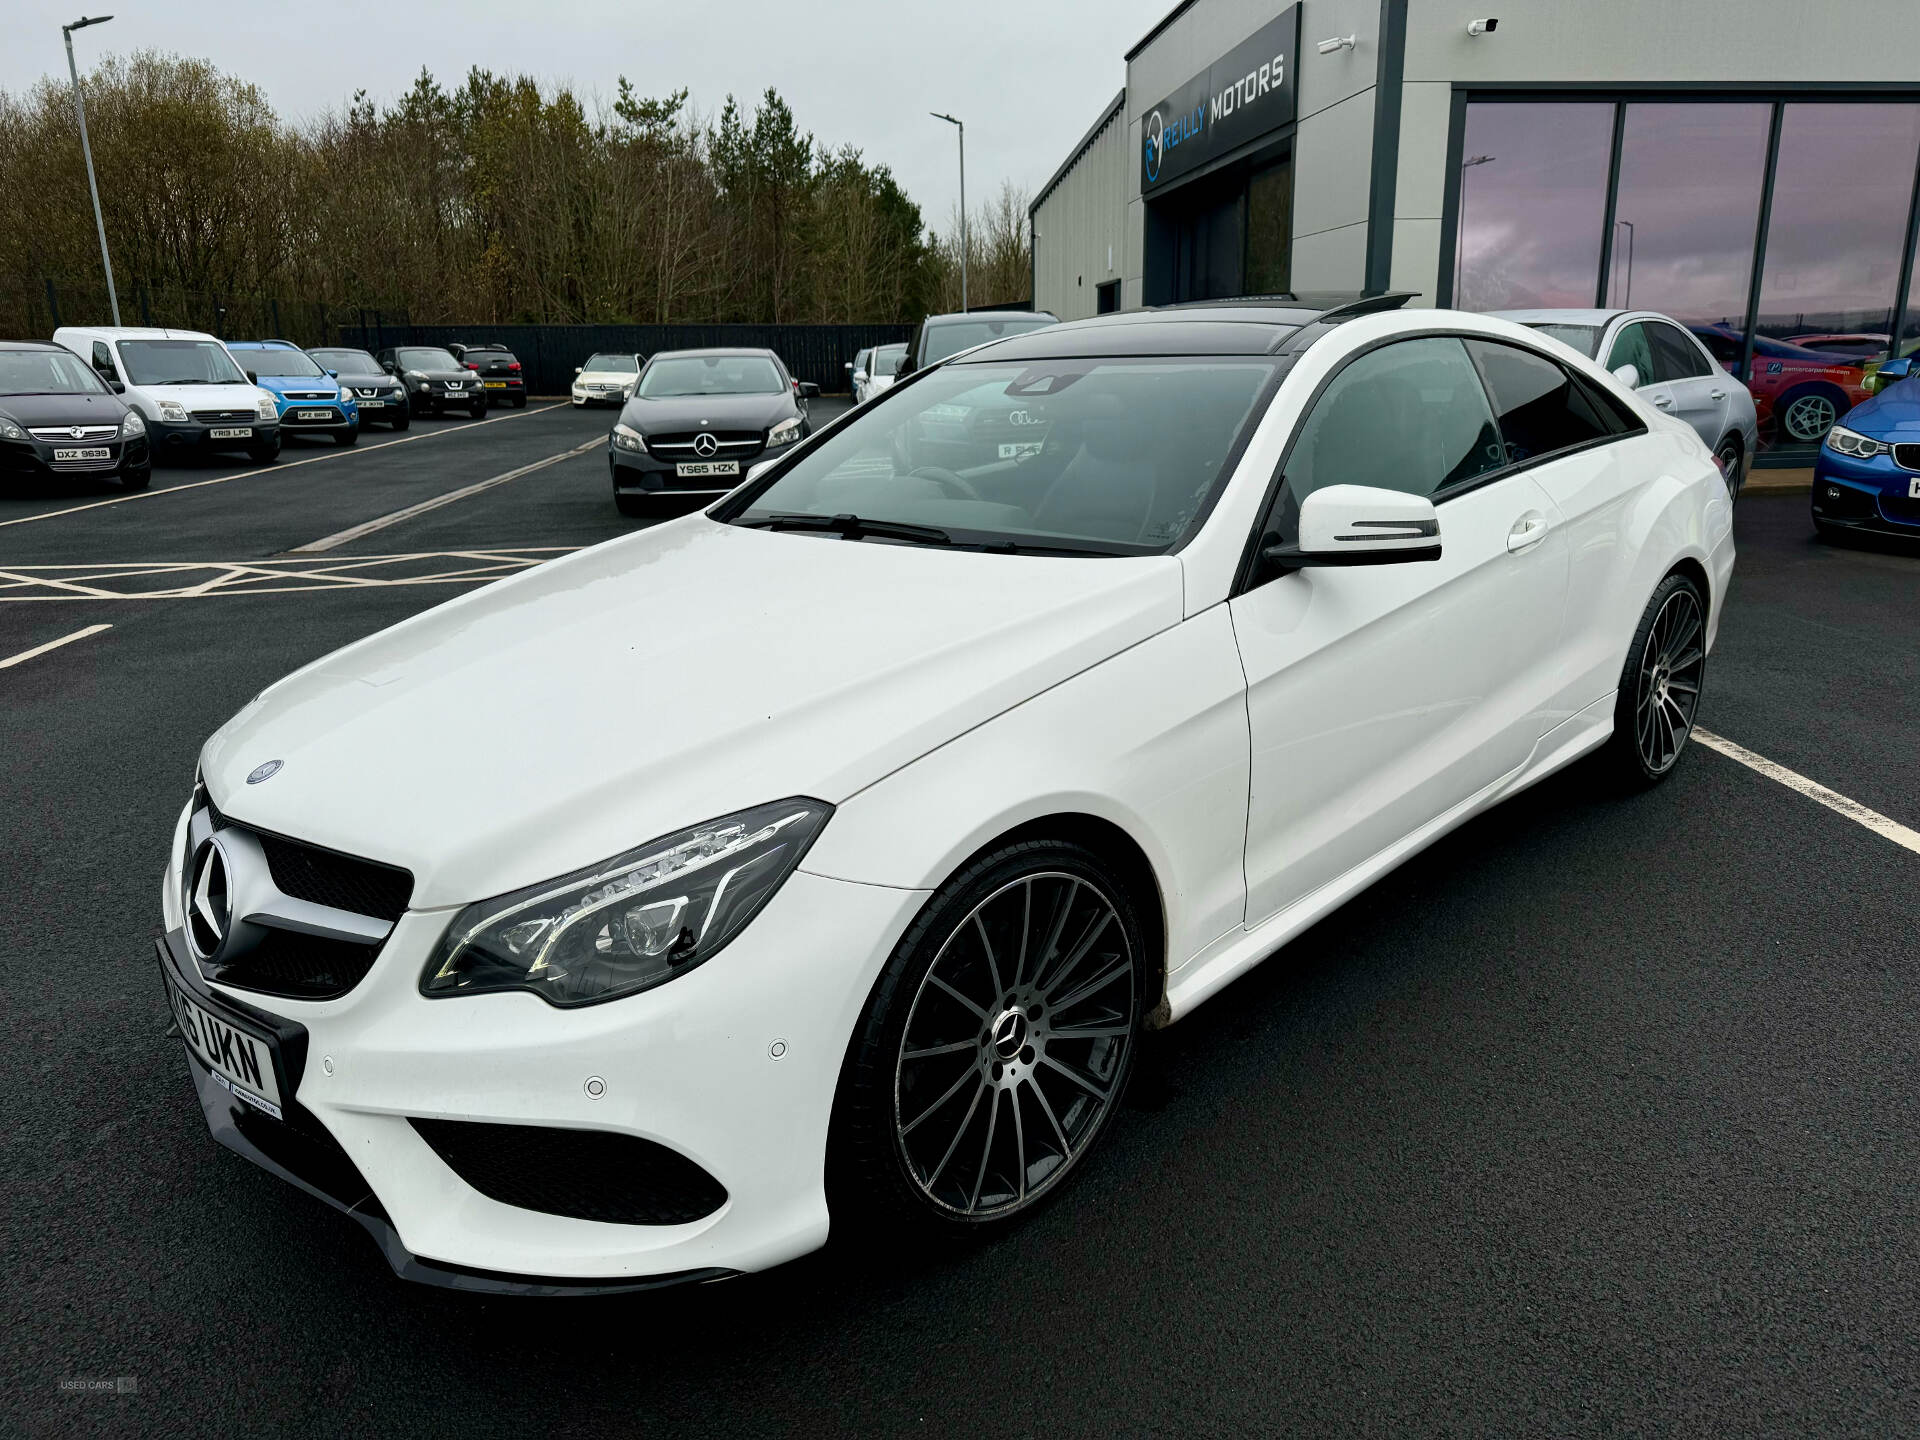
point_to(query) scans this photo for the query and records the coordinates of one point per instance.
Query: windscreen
(950, 337)
(711, 375)
(46, 372)
(1584, 338)
(348, 362)
(179, 362)
(280, 364)
(1109, 456)
(613, 364)
(886, 360)
(426, 359)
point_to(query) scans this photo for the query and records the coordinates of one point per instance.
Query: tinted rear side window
(1677, 357)
(1539, 407)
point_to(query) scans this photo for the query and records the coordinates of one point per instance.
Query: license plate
(687, 469)
(240, 1060)
(313, 414)
(90, 452)
(1013, 449)
(1913, 489)
(496, 384)
(242, 432)
(371, 404)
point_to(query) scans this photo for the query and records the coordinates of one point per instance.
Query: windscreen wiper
(851, 527)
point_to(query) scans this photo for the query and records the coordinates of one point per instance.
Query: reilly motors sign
(1241, 96)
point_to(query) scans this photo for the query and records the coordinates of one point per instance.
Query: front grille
(312, 967)
(225, 417)
(581, 1174)
(1906, 454)
(63, 434)
(309, 395)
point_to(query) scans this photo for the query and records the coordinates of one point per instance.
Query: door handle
(1529, 529)
(1717, 394)
(1665, 402)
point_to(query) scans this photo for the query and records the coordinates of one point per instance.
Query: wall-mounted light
(1339, 42)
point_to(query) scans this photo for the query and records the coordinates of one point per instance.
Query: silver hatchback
(1670, 368)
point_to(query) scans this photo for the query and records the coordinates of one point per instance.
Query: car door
(1380, 697)
(1699, 396)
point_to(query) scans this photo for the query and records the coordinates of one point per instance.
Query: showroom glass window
(1533, 202)
(1687, 209)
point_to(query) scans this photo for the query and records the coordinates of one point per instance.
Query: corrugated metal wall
(549, 353)
(1081, 225)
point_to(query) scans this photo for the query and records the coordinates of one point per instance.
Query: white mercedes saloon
(819, 859)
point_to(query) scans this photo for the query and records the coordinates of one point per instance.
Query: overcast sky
(1027, 76)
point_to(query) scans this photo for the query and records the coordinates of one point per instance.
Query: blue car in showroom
(1867, 474)
(311, 400)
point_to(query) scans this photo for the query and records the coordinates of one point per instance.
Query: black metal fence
(32, 308)
(549, 353)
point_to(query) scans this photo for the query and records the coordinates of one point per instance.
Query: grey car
(1670, 368)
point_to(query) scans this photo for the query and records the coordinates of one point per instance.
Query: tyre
(520, 402)
(1660, 684)
(630, 504)
(1807, 412)
(349, 436)
(1728, 455)
(402, 420)
(995, 1048)
(138, 481)
(478, 410)
(264, 454)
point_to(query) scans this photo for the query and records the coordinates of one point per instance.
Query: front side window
(46, 372)
(1409, 416)
(1676, 357)
(1540, 408)
(179, 362)
(1110, 456)
(1632, 347)
(711, 375)
(281, 364)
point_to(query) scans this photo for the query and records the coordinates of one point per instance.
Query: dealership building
(1751, 167)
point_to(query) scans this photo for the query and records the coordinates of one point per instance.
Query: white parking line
(269, 471)
(25, 655)
(342, 537)
(1860, 815)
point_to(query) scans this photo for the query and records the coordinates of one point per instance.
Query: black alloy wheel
(1660, 684)
(996, 1046)
(1727, 457)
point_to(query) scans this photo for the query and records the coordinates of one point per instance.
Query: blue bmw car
(1867, 474)
(311, 401)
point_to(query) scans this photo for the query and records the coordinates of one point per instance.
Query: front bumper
(1875, 495)
(386, 405)
(733, 1065)
(638, 472)
(33, 459)
(580, 395)
(338, 421)
(432, 398)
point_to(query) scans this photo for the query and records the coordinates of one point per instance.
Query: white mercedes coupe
(820, 858)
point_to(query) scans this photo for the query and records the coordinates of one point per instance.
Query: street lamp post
(86, 150)
(963, 202)
(1460, 245)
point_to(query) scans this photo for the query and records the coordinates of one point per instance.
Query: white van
(194, 396)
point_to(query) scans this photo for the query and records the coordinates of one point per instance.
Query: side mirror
(848, 367)
(333, 374)
(1628, 375)
(1361, 525)
(809, 390)
(387, 365)
(116, 387)
(755, 470)
(579, 369)
(252, 378)
(1901, 369)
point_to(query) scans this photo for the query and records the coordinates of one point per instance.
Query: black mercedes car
(379, 397)
(697, 420)
(57, 418)
(499, 370)
(436, 382)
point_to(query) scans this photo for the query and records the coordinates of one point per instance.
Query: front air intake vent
(581, 1174)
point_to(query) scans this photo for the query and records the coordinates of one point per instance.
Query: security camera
(1482, 27)
(1337, 44)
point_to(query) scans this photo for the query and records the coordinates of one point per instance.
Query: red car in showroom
(1798, 393)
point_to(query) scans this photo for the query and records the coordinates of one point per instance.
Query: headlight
(266, 409)
(1852, 442)
(417, 375)
(633, 922)
(346, 395)
(11, 431)
(625, 437)
(131, 425)
(785, 433)
(173, 410)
